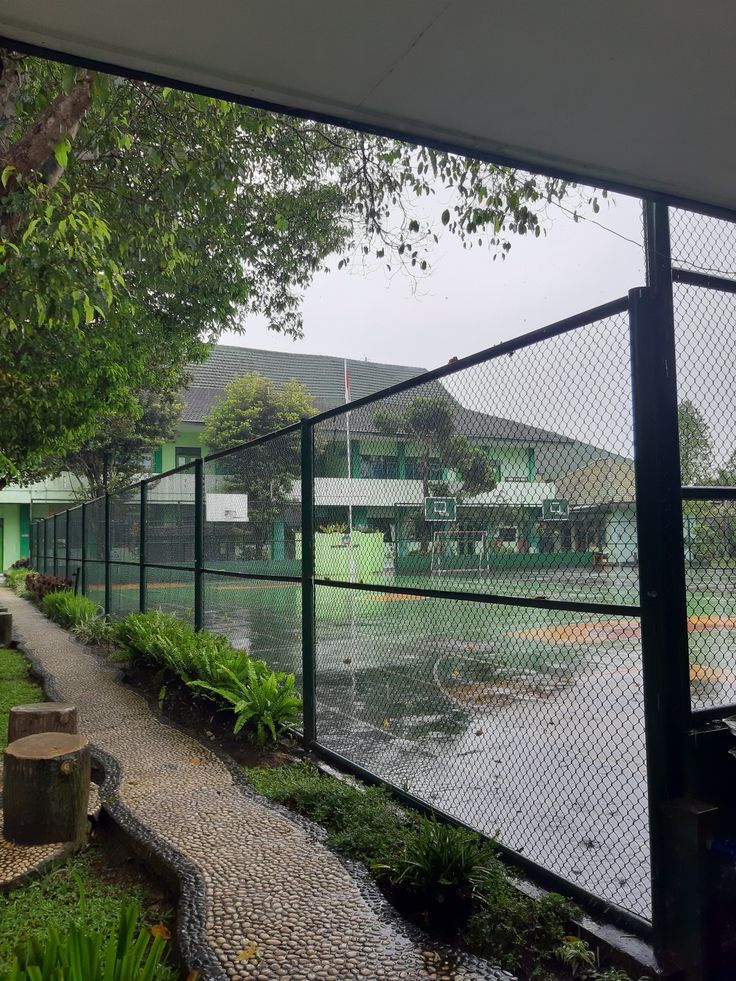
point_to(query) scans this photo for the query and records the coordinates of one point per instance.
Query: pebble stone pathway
(261, 897)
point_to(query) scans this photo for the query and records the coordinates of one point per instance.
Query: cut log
(27, 720)
(6, 629)
(46, 788)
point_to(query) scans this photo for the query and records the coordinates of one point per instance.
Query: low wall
(420, 563)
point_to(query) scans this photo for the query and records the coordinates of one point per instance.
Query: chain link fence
(704, 296)
(452, 569)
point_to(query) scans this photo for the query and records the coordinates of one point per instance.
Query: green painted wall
(11, 551)
(186, 436)
(25, 524)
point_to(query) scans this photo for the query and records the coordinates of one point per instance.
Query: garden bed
(446, 880)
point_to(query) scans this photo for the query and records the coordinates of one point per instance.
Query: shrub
(93, 629)
(264, 700)
(267, 700)
(445, 865)
(39, 585)
(130, 953)
(363, 823)
(67, 608)
(16, 580)
(21, 563)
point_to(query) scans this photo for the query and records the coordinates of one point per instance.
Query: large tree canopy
(137, 222)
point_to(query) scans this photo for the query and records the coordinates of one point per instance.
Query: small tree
(251, 407)
(696, 448)
(116, 455)
(428, 422)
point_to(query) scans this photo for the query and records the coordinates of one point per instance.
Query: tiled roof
(322, 375)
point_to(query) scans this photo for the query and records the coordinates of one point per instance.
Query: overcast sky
(467, 302)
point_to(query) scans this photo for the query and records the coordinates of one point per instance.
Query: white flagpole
(350, 470)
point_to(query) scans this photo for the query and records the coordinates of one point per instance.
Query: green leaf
(61, 151)
(68, 78)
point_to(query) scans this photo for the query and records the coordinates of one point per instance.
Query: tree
(116, 455)
(427, 422)
(137, 221)
(727, 472)
(253, 407)
(696, 448)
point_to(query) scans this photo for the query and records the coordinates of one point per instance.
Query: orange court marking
(601, 631)
(134, 585)
(391, 597)
(253, 585)
(699, 672)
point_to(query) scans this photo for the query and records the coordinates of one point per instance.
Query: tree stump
(6, 628)
(27, 720)
(46, 788)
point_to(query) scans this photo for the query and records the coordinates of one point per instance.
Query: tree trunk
(46, 789)
(28, 720)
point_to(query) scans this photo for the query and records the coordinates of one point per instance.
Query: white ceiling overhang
(636, 95)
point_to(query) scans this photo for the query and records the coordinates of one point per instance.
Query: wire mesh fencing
(477, 636)
(252, 548)
(704, 297)
(452, 569)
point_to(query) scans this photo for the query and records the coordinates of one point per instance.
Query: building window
(186, 454)
(379, 466)
(413, 469)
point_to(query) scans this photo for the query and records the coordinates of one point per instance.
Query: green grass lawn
(16, 687)
(82, 890)
(90, 888)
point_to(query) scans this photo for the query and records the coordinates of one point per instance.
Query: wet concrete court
(525, 723)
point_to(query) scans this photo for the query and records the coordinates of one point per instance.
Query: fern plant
(131, 953)
(164, 639)
(268, 701)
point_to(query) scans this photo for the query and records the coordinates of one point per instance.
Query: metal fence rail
(480, 585)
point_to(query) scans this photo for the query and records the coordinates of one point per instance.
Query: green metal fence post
(308, 591)
(142, 549)
(66, 543)
(84, 549)
(55, 546)
(665, 664)
(108, 580)
(198, 544)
